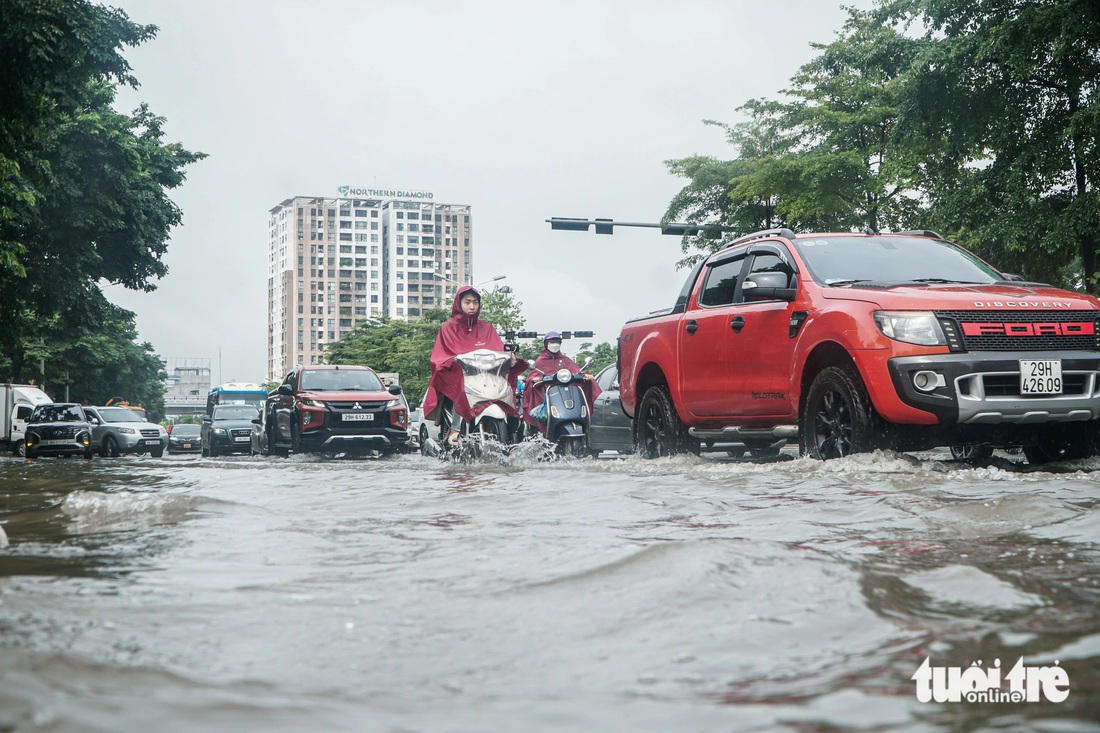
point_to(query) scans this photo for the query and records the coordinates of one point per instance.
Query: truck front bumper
(983, 388)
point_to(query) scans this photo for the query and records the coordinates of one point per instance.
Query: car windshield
(851, 260)
(118, 414)
(335, 380)
(184, 431)
(235, 412)
(57, 413)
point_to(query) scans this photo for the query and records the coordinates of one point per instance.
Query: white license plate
(243, 439)
(56, 442)
(353, 416)
(1040, 376)
(152, 441)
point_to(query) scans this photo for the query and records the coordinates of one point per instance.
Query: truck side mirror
(768, 286)
(394, 389)
(285, 389)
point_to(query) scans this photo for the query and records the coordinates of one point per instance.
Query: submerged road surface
(684, 594)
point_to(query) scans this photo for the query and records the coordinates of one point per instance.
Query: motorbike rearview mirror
(587, 361)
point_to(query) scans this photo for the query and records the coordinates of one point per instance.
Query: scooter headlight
(563, 376)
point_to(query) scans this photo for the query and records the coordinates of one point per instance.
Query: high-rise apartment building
(333, 262)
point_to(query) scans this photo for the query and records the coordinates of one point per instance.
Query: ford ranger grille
(1005, 330)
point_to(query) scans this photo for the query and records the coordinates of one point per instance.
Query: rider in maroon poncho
(463, 333)
(549, 361)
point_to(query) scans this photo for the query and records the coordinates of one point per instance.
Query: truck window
(720, 285)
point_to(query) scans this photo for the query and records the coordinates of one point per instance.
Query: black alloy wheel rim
(833, 425)
(654, 433)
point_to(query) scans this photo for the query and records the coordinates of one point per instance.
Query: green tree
(602, 355)
(827, 159)
(387, 345)
(1011, 85)
(500, 308)
(97, 362)
(82, 188)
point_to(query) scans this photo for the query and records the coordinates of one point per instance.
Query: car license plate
(56, 442)
(1040, 376)
(152, 441)
(352, 416)
(241, 439)
(186, 445)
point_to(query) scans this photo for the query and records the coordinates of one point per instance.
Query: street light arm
(607, 226)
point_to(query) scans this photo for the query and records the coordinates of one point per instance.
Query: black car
(185, 438)
(228, 430)
(610, 428)
(60, 429)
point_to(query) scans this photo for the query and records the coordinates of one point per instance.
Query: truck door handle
(691, 326)
(737, 324)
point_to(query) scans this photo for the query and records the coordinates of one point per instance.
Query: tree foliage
(1011, 85)
(826, 159)
(387, 345)
(983, 125)
(83, 195)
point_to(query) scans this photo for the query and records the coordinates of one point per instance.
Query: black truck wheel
(658, 431)
(838, 418)
(1064, 444)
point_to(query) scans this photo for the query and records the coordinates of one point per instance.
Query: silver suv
(118, 430)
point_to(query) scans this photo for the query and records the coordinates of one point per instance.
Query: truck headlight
(911, 327)
(313, 403)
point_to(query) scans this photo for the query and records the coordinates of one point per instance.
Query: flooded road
(684, 594)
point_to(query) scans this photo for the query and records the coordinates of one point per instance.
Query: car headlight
(563, 376)
(127, 431)
(219, 431)
(911, 327)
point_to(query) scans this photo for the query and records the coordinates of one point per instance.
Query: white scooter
(484, 380)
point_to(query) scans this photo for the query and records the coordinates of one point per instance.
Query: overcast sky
(522, 110)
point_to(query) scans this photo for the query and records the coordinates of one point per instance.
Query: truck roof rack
(923, 233)
(783, 232)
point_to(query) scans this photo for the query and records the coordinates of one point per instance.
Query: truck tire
(1064, 445)
(971, 453)
(838, 418)
(658, 431)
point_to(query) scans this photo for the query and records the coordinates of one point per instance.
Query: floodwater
(405, 594)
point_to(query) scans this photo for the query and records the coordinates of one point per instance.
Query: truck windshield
(856, 259)
(335, 380)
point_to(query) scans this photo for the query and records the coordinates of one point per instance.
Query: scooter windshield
(485, 376)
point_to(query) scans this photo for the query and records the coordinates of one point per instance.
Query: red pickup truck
(852, 342)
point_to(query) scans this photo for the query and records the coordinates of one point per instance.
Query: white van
(17, 401)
